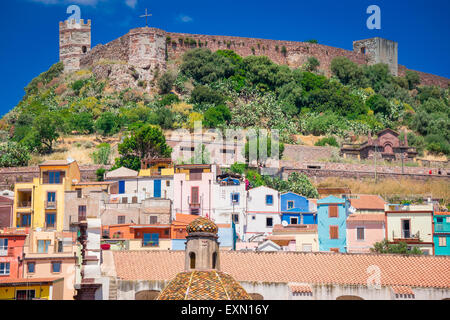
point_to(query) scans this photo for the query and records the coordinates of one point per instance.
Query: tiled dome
(202, 224)
(204, 285)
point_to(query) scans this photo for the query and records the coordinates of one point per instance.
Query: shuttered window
(334, 232)
(332, 211)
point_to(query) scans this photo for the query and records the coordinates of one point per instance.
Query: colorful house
(295, 209)
(441, 236)
(11, 252)
(53, 255)
(40, 203)
(193, 189)
(263, 212)
(363, 231)
(230, 202)
(332, 215)
(6, 211)
(412, 224)
(305, 236)
(32, 289)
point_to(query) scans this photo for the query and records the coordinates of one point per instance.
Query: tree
(166, 82)
(43, 133)
(312, 64)
(83, 122)
(100, 173)
(399, 248)
(300, 184)
(107, 124)
(146, 142)
(13, 154)
(413, 79)
(216, 116)
(253, 144)
(378, 104)
(205, 95)
(348, 72)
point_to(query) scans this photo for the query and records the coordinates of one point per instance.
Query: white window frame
(6, 269)
(442, 241)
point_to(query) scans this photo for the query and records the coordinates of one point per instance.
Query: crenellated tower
(74, 42)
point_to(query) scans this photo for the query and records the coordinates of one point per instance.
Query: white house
(230, 200)
(263, 212)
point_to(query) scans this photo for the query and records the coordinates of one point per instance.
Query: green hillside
(228, 91)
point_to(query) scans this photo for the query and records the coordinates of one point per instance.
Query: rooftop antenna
(146, 15)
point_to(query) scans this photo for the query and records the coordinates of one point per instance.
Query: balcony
(24, 204)
(406, 235)
(50, 204)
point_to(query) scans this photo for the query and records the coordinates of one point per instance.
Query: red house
(11, 253)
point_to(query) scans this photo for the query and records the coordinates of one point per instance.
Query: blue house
(332, 214)
(441, 234)
(295, 209)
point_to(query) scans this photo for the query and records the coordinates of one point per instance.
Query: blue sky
(29, 28)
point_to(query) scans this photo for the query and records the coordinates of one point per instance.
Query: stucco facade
(332, 224)
(363, 232)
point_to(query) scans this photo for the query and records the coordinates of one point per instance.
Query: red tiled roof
(368, 202)
(298, 288)
(442, 213)
(373, 217)
(323, 268)
(402, 290)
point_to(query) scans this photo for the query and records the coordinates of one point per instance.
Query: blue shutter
(157, 189)
(121, 187)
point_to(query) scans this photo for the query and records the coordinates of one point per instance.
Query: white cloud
(185, 18)
(131, 3)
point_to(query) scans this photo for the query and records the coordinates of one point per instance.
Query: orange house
(140, 236)
(11, 253)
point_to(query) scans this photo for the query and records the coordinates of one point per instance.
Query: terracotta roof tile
(331, 268)
(402, 290)
(368, 202)
(297, 288)
(298, 228)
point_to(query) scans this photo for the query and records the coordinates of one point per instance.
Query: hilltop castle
(142, 53)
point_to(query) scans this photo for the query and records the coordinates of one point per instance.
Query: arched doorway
(146, 295)
(349, 298)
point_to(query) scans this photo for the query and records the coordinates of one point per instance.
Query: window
(332, 211)
(269, 199)
(363, 50)
(54, 177)
(25, 294)
(439, 220)
(334, 232)
(447, 219)
(153, 219)
(235, 218)
(4, 268)
(442, 241)
(25, 220)
(3, 244)
(51, 197)
(290, 204)
(192, 260)
(81, 213)
(306, 247)
(294, 220)
(150, 240)
(235, 198)
(56, 266)
(253, 217)
(60, 246)
(194, 195)
(50, 220)
(269, 222)
(334, 250)
(43, 246)
(360, 233)
(120, 219)
(167, 183)
(406, 228)
(214, 260)
(79, 193)
(166, 232)
(31, 266)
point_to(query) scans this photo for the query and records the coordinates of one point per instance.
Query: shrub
(328, 141)
(100, 173)
(166, 82)
(216, 116)
(107, 124)
(13, 154)
(102, 154)
(205, 95)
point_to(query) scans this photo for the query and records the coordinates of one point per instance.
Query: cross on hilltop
(146, 15)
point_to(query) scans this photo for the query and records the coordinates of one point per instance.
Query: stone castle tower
(74, 42)
(379, 50)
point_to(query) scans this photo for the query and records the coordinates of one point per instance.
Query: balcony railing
(24, 204)
(50, 204)
(150, 243)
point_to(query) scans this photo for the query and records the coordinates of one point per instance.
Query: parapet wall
(295, 56)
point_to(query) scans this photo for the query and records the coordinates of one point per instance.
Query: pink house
(193, 189)
(363, 231)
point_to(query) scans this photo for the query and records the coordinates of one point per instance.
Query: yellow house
(156, 167)
(40, 203)
(32, 289)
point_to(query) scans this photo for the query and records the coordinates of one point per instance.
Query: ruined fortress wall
(117, 50)
(296, 55)
(426, 79)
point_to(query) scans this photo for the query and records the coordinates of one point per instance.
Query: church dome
(202, 224)
(204, 285)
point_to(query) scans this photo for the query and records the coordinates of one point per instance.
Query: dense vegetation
(225, 90)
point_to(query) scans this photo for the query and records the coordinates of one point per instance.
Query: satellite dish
(284, 223)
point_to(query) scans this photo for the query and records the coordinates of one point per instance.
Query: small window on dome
(214, 260)
(192, 258)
